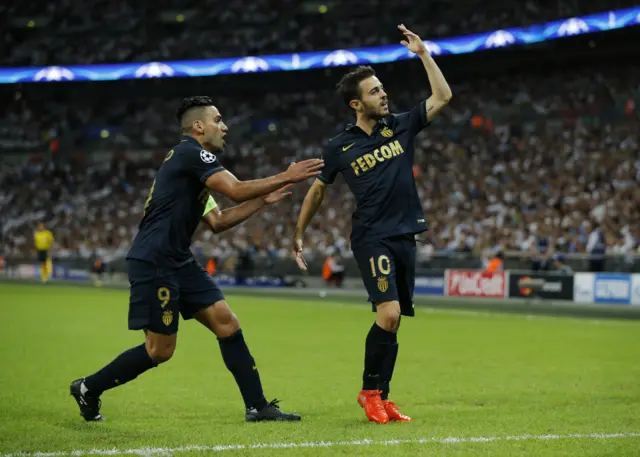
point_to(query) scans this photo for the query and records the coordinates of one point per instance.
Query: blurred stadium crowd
(510, 158)
(96, 31)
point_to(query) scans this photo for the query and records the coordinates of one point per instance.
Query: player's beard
(376, 112)
(220, 144)
(216, 143)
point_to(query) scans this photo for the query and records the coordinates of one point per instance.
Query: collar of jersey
(190, 140)
(354, 127)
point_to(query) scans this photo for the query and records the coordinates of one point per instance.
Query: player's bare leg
(225, 325)
(381, 350)
(157, 348)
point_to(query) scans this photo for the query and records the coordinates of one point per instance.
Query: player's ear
(198, 127)
(355, 104)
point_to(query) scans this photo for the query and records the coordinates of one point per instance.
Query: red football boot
(394, 412)
(372, 403)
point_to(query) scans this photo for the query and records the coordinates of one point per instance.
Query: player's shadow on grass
(99, 432)
(364, 423)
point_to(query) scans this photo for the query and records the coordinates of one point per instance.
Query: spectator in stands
(332, 270)
(542, 248)
(597, 249)
(496, 263)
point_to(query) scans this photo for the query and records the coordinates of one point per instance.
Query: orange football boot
(394, 412)
(372, 403)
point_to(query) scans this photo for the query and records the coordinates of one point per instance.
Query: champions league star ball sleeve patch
(207, 157)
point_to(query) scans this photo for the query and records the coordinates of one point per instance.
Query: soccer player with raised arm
(375, 157)
(165, 278)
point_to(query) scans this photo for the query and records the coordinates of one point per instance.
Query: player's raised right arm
(240, 191)
(312, 202)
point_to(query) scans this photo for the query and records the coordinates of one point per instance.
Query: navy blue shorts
(158, 294)
(388, 269)
(43, 256)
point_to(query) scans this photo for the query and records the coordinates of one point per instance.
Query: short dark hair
(349, 85)
(198, 101)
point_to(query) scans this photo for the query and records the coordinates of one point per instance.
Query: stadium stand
(508, 156)
(73, 32)
(514, 151)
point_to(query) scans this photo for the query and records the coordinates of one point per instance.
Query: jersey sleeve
(202, 163)
(415, 119)
(211, 205)
(331, 165)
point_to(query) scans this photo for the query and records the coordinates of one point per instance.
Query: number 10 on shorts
(383, 263)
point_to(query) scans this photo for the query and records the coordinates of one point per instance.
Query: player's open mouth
(384, 105)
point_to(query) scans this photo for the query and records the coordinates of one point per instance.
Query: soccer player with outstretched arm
(375, 157)
(165, 278)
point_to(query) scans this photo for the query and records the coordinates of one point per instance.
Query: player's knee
(160, 354)
(219, 319)
(388, 315)
(390, 321)
(160, 349)
(228, 325)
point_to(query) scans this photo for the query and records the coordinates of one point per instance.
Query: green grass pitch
(468, 381)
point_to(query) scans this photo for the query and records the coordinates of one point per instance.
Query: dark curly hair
(349, 85)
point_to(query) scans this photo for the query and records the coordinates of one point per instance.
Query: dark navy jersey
(175, 205)
(378, 168)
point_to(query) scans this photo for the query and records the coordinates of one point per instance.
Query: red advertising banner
(475, 283)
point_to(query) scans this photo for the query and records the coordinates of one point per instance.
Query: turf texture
(475, 383)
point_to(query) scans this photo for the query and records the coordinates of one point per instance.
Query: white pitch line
(149, 451)
(539, 317)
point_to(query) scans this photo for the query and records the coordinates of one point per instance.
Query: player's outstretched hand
(297, 253)
(278, 195)
(413, 42)
(306, 169)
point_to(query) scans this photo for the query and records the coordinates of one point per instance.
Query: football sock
(43, 273)
(388, 365)
(49, 268)
(242, 366)
(126, 367)
(377, 347)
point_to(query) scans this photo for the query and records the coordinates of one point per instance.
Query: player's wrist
(285, 178)
(263, 201)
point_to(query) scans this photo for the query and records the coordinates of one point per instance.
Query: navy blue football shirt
(175, 205)
(378, 168)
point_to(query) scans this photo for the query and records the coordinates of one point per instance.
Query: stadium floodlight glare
(599, 22)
